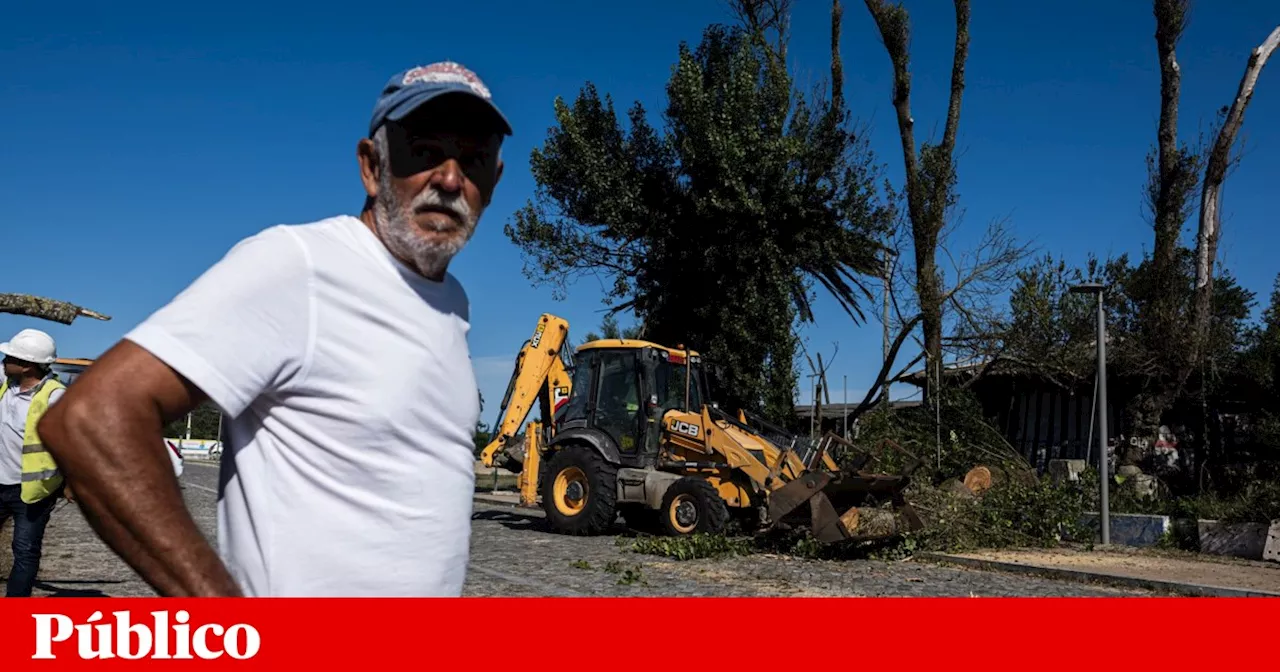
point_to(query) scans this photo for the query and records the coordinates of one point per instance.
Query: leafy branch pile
(693, 547)
(1016, 509)
(1011, 514)
(957, 424)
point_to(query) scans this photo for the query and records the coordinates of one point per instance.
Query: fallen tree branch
(45, 308)
(869, 400)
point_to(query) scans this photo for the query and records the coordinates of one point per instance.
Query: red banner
(615, 634)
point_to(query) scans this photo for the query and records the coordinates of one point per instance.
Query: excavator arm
(541, 377)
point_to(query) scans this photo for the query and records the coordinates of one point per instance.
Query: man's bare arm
(106, 434)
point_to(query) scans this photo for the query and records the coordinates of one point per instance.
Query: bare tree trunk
(837, 67)
(1171, 21)
(1211, 196)
(893, 23)
(45, 309)
(958, 61)
(930, 177)
(1173, 183)
(1176, 176)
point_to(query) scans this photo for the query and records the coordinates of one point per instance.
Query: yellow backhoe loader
(627, 429)
(541, 377)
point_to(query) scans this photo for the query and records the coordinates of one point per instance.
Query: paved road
(514, 555)
(77, 564)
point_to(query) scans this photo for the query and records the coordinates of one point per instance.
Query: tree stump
(982, 478)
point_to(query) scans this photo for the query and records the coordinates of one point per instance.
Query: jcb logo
(537, 335)
(560, 398)
(682, 427)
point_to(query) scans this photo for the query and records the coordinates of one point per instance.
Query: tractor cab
(622, 389)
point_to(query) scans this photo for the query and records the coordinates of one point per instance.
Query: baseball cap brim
(403, 107)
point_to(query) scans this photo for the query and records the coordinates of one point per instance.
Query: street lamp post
(1104, 509)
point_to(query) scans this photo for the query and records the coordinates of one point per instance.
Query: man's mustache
(431, 201)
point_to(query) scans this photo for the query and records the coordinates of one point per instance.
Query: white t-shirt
(348, 468)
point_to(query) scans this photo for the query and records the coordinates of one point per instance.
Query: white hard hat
(31, 345)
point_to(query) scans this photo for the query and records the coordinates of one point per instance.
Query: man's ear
(368, 158)
(497, 177)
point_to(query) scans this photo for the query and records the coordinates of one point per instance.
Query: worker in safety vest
(29, 477)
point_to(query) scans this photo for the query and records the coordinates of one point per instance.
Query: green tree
(1051, 333)
(1262, 359)
(1260, 374)
(483, 435)
(714, 231)
(609, 329)
(204, 423)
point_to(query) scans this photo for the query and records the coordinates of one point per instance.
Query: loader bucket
(834, 505)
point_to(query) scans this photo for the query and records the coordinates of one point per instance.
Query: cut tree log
(870, 522)
(45, 308)
(850, 519)
(981, 478)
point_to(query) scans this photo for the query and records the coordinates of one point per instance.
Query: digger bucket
(835, 502)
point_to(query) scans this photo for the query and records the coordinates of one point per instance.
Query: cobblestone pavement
(514, 555)
(77, 563)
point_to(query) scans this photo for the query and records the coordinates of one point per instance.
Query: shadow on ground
(65, 591)
(514, 520)
(67, 588)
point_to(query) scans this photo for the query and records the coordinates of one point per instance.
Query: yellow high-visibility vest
(40, 474)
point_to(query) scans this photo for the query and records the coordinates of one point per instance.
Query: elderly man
(29, 477)
(339, 350)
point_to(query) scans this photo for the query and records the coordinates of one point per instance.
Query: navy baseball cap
(408, 90)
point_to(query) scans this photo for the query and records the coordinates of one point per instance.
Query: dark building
(1042, 419)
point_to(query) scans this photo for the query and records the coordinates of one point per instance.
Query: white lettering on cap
(447, 71)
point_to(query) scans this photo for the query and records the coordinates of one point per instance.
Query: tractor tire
(579, 491)
(690, 506)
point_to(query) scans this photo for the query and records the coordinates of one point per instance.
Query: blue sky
(141, 141)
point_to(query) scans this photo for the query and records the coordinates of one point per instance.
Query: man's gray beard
(403, 237)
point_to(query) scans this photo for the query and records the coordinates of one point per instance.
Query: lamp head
(1088, 288)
